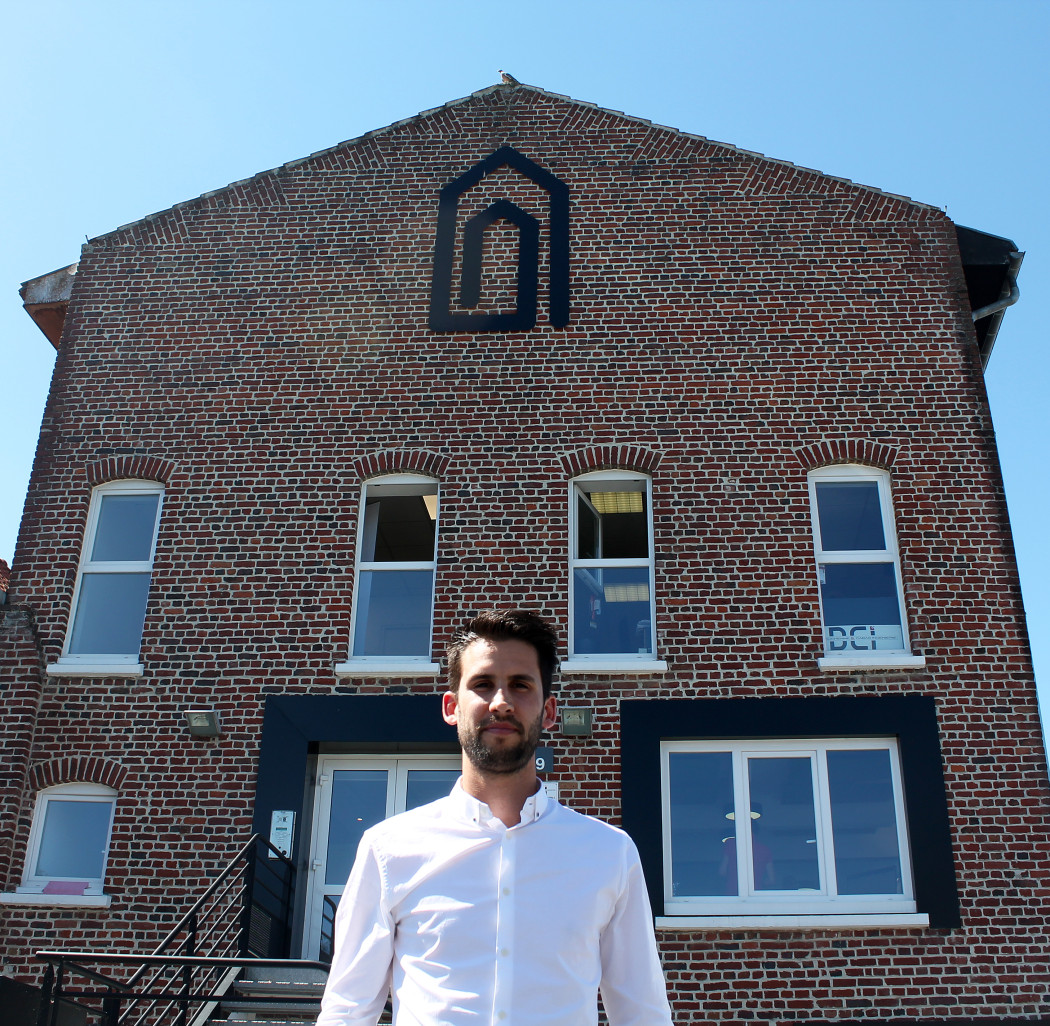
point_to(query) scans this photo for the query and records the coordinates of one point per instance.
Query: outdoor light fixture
(202, 722)
(576, 720)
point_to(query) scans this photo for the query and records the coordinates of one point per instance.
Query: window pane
(850, 516)
(398, 529)
(703, 840)
(426, 786)
(329, 907)
(110, 613)
(784, 831)
(861, 608)
(612, 611)
(358, 802)
(125, 528)
(588, 530)
(393, 613)
(73, 841)
(864, 821)
(614, 526)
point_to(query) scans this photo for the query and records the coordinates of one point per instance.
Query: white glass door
(353, 793)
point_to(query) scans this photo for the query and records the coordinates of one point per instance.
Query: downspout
(998, 308)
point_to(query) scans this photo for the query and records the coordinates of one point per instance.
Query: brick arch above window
(847, 450)
(610, 457)
(401, 461)
(77, 768)
(119, 468)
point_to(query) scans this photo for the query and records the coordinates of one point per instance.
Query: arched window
(69, 840)
(858, 566)
(394, 581)
(112, 587)
(611, 588)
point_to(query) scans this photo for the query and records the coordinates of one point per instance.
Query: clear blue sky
(113, 110)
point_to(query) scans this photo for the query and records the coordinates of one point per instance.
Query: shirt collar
(478, 812)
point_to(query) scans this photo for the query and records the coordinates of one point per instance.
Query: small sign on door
(282, 827)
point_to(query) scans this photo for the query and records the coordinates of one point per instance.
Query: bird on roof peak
(508, 78)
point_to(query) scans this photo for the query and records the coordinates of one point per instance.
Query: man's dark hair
(501, 625)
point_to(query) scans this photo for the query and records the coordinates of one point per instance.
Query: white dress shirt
(468, 921)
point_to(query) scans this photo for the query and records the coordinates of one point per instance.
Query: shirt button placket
(505, 901)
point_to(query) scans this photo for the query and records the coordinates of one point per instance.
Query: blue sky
(114, 110)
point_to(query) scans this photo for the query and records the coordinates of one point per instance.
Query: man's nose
(501, 701)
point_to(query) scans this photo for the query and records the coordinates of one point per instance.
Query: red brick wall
(729, 315)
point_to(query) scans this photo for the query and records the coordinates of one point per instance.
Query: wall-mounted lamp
(202, 722)
(576, 720)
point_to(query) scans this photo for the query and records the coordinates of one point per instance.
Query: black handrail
(217, 932)
(116, 991)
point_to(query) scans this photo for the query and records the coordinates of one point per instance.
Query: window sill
(70, 669)
(840, 921)
(612, 665)
(866, 664)
(58, 900)
(386, 668)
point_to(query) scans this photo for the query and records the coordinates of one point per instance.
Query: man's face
(499, 708)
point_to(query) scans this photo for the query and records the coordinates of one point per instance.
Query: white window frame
(80, 792)
(853, 659)
(611, 662)
(106, 663)
(383, 665)
(778, 908)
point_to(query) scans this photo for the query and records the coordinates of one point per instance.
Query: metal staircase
(222, 962)
(278, 996)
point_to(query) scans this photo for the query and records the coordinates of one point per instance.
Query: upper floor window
(779, 826)
(109, 600)
(611, 586)
(69, 839)
(396, 557)
(861, 598)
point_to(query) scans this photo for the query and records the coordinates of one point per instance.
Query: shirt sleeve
(359, 980)
(633, 989)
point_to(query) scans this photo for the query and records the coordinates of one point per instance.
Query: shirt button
(501, 1015)
(504, 952)
(506, 890)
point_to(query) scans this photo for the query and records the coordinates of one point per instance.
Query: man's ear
(449, 709)
(550, 712)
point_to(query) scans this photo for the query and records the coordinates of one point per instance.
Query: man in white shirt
(496, 905)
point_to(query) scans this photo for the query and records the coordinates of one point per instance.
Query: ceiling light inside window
(617, 502)
(627, 593)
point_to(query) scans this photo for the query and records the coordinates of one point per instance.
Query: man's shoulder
(410, 823)
(590, 826)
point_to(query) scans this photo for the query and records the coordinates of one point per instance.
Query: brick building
(720, 417)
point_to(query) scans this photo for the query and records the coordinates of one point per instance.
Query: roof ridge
(488, 90)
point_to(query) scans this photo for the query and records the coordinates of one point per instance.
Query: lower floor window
(813, 810)
(69, 839)
(755, 827)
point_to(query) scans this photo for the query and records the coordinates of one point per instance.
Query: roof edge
(488, 90)
(46, 299)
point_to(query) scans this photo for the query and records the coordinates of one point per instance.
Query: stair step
(271, 1008)
(287, 1021)
(277, 988)
(284, 975)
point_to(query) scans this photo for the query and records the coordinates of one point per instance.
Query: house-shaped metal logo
(524, 316)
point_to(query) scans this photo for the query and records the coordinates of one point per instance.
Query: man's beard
(502, 758)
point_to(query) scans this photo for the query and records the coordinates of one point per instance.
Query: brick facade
(735, 323)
